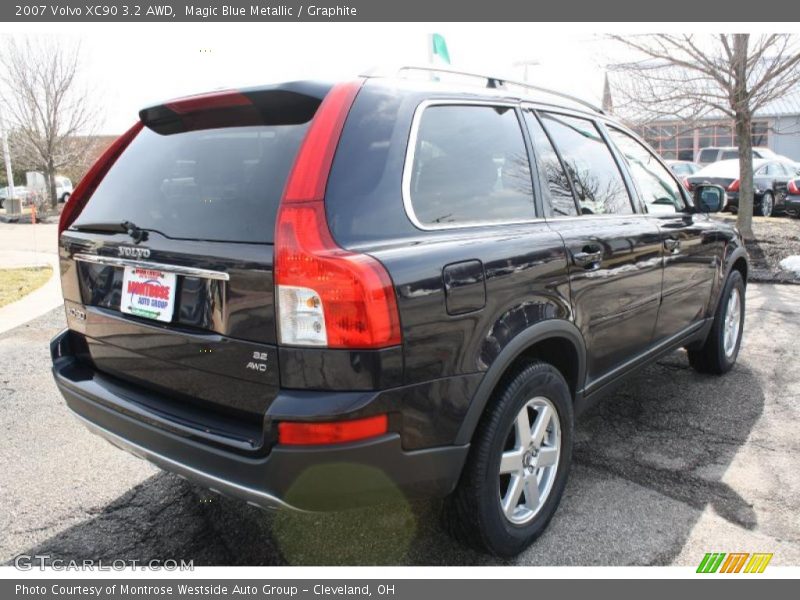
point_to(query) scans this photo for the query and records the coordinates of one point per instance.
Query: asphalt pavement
(673, 465)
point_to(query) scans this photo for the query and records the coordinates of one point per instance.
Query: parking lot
(673, 465)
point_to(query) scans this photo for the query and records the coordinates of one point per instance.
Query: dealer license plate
(148, 293)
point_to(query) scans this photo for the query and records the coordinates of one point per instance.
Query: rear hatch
(169, 264)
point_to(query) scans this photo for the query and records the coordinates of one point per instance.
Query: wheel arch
(556, 341)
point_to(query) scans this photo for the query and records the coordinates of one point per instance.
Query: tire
(767, 205)
(714, 356)
(65, 197)
(473, 513)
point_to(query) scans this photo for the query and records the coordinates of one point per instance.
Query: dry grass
(16, 283)
(776, 238)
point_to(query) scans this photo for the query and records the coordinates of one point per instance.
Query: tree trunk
(744, 121)
(51, 186)
(744, 220)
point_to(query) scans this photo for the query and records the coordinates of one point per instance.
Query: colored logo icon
(734, 562)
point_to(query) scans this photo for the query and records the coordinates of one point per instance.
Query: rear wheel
(518, 464)
(719, 353)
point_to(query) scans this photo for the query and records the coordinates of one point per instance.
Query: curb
(40, 301)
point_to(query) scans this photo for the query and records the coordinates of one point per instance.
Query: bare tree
(49, 113)
(689, 78)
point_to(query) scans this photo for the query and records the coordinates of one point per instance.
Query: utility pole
(525, 64)
(7, 157)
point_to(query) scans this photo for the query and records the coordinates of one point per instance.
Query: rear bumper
(301, 478)
(792, 205)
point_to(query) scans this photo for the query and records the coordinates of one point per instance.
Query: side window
(590, 164)
(470, 166)
(551, 171)
(659, 190)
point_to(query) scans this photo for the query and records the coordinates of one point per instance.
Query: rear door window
(591, 166)
(213, 184)
(470, 166)
(556, 183)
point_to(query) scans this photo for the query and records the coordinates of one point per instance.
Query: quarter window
(470, 166)
(590, 164)
(551, 171)
(659, 190)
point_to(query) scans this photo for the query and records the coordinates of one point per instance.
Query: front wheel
(719, 353)
(517, 466)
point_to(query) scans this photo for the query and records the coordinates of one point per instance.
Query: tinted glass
(659, 190)
(555, 181)
(681, 169)
(597, 179)
(729, 154)
(470, 165)
(214, 184)
(707, 155)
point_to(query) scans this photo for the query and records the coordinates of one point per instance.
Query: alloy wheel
(733, 322)
(766, 206)
(529, 461)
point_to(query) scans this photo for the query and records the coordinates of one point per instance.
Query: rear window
(707, 155)
(729, 154)
(681, 169)
(470, 166)
(213, 184)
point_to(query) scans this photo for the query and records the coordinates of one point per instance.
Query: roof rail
(494, 82)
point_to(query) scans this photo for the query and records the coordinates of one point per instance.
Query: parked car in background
(63, 188)
(712, 154)
(792, 165)
(793, 198)
(683, 168)
(20, 191)
(770, 181)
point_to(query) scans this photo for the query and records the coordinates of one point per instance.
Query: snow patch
(791, 263)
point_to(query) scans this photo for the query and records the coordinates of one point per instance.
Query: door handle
(672, 245)
(588, 260)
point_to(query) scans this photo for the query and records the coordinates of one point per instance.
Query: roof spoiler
(285, 104)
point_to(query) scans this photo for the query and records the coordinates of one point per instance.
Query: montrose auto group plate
(148, 293)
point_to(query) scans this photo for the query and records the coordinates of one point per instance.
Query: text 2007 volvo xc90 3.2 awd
(316, 296)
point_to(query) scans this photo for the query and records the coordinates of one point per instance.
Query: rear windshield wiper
(137, 233)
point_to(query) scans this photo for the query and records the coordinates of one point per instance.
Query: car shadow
(648, 461)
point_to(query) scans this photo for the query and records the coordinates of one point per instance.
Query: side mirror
(709, 198)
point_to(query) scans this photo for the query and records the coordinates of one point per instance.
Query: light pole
(7, 158)
(525, 64)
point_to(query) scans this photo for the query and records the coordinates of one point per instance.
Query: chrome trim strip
(140, 264)
(224, 486)
(409, 162)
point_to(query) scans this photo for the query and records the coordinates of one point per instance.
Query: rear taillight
(326, 295)
(88, 184)
(794, 186)
(734, 186)
(337, 432)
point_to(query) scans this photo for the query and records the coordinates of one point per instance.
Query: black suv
(316, 296)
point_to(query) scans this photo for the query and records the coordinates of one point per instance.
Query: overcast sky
(132, 65)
